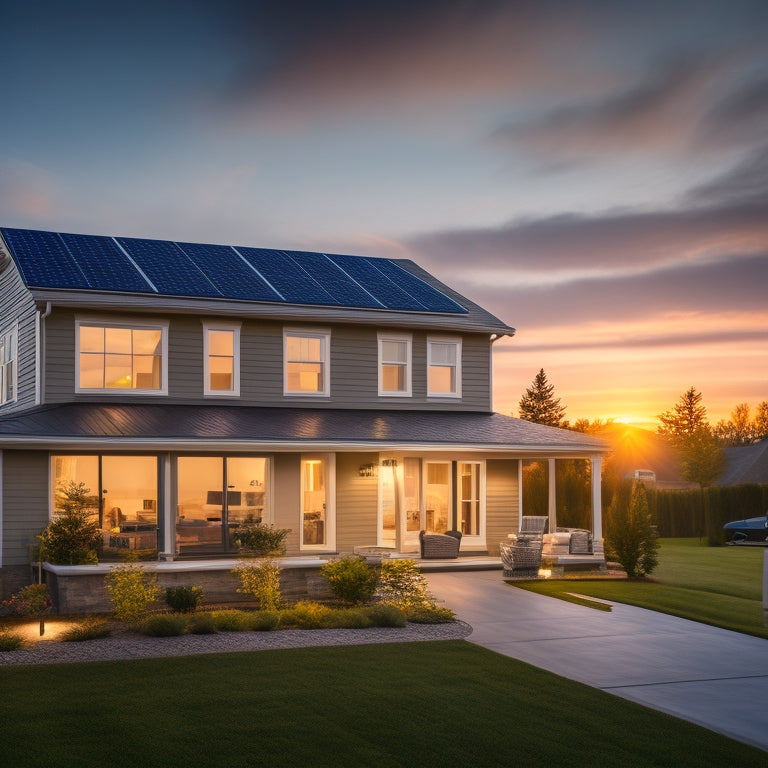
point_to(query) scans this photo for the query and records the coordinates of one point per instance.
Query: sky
(594, 173)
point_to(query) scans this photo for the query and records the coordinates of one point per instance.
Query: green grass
(440, 704)
(721, 586)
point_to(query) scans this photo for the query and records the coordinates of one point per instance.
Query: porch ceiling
(174, 427)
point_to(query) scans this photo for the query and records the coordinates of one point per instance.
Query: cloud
(27, 192)
(745, 184)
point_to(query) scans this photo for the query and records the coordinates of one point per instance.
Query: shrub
(90, 629)
(264, 621)
(385, 615)
(32, 600)
(73, 537)
(230, 620)
(351, 579)
(631, 536)
(305, 615)
(403, 584)
(131, 591)
(184, 599)
(347, 618)
(201, 624)
(260, 540)
(163, 625)
(262, 580)
(10, 641)
(430, 614)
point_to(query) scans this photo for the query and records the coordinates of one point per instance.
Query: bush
(403, 584)
(305, 615)
(262, 580)
(201, 624)
(385, 615)
(347, 618)
(260, 540)
(73, 537)
(131, 591)
(163, 625)
(10, 641)
(184, 599)
(90, 629)
(32, 600)
(430, 614)
(351, 579)
(630, 535)
(231, 620)
(264, 621)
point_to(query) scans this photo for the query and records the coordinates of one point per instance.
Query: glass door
(469, 497)
(438, 496)
(314, 531)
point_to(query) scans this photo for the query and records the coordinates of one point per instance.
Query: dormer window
(120, 356)
(306, 364)
(8, 367)
(443, 367)
(222, 359)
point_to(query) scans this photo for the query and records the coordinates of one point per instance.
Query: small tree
(702, 459)
(540, 405)
(261, 580)
(686, 418)
(73, 536)
(32, 600)
(631, 536)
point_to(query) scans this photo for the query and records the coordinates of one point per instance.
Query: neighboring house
(746, 464)
(193, 387)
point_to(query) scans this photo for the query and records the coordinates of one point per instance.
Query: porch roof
(77, 426)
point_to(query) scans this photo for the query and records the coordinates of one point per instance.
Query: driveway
(709, 676)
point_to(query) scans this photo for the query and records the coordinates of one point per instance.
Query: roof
(746, 464)
(73, 426)
(164, 270)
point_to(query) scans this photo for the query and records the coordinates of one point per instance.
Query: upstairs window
(222, 359)
(394, 365)
(8, 367)
(306, 366)
(117, 356)
(444, 367)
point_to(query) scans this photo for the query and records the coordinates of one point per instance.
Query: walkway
(709, 676)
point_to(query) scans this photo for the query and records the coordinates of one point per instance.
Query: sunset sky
(594, 173)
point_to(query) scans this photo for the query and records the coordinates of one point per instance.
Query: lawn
(721, 586)
(443, 704)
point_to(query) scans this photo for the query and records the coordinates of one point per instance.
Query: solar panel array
(134, 265)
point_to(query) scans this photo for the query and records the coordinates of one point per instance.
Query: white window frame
(329, 474)
(9, 370)
(234, 328)
(479, 538)
(324, 335)
(397, 337)
(445, 340)
(98, 322)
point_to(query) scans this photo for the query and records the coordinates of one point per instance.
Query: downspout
(494, 337)
(40, 353)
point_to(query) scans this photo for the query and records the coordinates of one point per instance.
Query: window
(394, 365)
(307, 371)
(122, 356)
(317, 502)
(8, 356)
(222, 359)
(444, 367)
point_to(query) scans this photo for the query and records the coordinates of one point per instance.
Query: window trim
(312, 333)
(235, 329)
(103, 322)
(11, 338)
(456, 341)
(383, 336)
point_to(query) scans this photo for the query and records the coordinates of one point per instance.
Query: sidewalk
(709, 676)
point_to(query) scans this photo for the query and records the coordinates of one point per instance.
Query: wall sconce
(389, 463)
(367, 470)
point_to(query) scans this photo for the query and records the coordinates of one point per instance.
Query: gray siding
(287, 498)
(17, 308)
(354, 368)
(25, 503)
(356, 502)
(501, 505)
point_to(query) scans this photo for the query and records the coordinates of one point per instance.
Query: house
(745, 464)
(194, 387)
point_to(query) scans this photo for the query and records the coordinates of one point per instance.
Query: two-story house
(193, 387)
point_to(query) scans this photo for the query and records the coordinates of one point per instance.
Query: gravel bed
(134, 646)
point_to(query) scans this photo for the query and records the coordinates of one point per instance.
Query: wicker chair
(439, 546)
(520, 560)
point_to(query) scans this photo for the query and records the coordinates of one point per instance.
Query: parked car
(752, 529)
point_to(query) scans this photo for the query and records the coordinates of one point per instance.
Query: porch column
(597, 503)
(552, 501)
(166, 508)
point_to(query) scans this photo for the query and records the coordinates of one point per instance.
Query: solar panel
(104, 265)
(231, 276)
(168, 267)
(43, 260)
(432, 299)
(286, 275)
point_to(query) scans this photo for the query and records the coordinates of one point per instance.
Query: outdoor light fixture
(389, 463)
(367, 470)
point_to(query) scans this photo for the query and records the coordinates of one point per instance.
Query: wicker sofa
(439, 546)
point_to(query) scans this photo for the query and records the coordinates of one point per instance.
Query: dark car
(752, 529)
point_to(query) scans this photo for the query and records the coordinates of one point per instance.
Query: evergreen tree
(630, 534)
(540, 405)
(702, 459)
(685, 419)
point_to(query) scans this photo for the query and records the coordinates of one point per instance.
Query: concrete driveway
(709, 676)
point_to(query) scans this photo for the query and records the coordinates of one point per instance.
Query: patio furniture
(581, 543)
(532, 530)
(520, 560)
(438, 545)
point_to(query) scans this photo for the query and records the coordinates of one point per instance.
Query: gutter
(40, 352)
